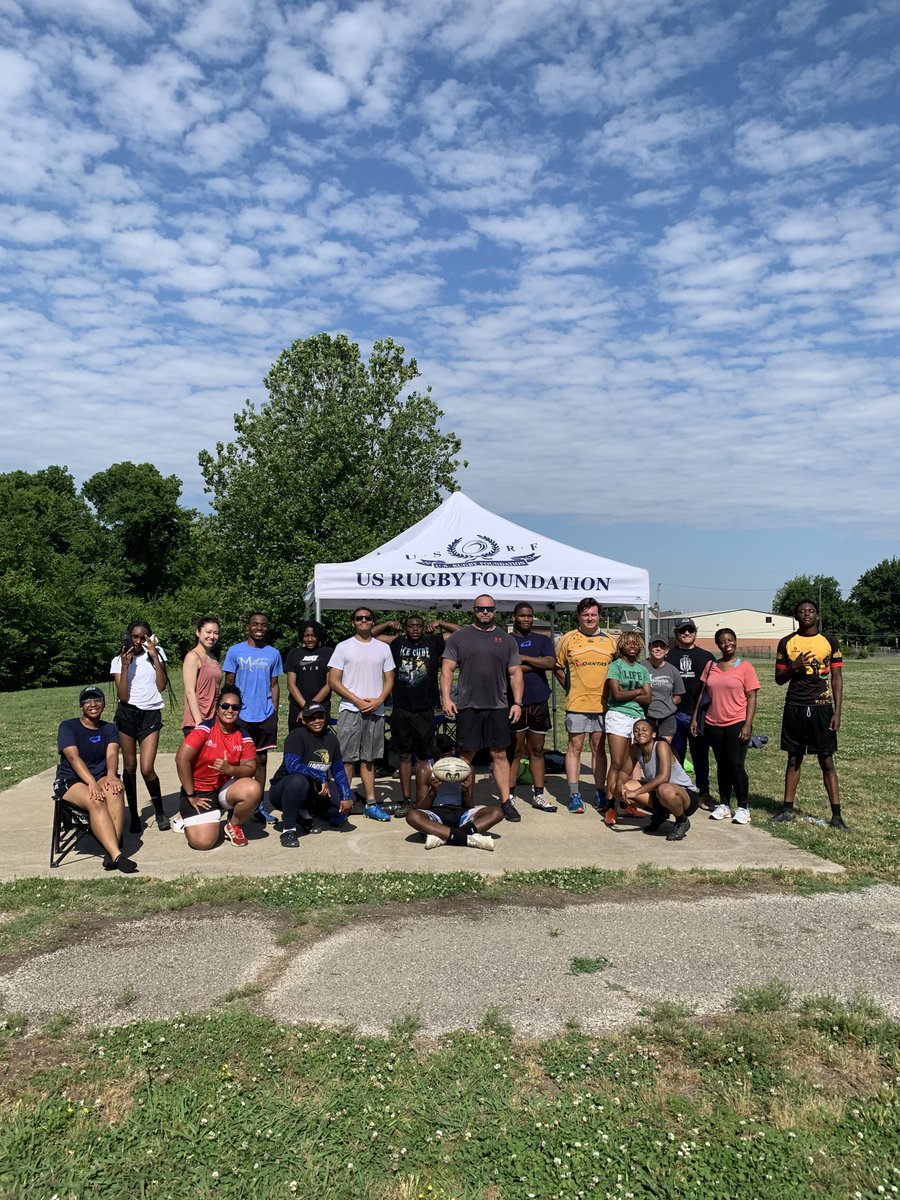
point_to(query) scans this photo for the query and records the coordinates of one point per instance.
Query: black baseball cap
(658, 640)
(685, 623)
(90, 693)
(314, 710)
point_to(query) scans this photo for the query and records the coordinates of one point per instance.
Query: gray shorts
(584, 722)
(361, 736)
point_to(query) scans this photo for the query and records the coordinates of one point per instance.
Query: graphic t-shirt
(824, 657)
(254, 668)
(585, 660)
(142, 690)
(484, 657)
(418, 665)
(211, 740)
(90, 743)
(535, 645)
(311, 669)
(315, 757)
(689, 664)
(629, 676)
(364, 666)
(666, 684)
(728, 692)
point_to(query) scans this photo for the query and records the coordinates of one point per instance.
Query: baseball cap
(658, 640)
(685, 623)
(314, 710)
(90, 693)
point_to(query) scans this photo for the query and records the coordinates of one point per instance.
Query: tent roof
(461, 550)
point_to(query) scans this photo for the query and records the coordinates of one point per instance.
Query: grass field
(780, 1099)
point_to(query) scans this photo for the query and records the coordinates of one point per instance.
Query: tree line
(870, 615)
(343, 455)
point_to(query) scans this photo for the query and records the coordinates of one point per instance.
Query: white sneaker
(432, 841)
(720, 812)
(741, 817)
(480, 841)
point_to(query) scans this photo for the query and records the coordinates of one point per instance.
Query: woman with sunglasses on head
(216, 765)
(201, 676)
(86, 776)
(141, 678)
(731, 685)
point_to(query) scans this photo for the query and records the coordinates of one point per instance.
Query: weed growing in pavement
(588, 966)
(766, 997)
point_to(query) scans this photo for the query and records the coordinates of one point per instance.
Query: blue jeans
(699, 748)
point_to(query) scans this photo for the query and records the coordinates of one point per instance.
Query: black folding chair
(70, 825)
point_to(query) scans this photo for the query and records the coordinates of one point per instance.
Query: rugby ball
(452, 770)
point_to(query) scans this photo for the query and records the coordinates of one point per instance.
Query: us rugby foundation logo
(479, 551)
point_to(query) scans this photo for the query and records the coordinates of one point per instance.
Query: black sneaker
(120, 863)
(678, 830)
(656, 822)
(510, 811)
(162, 822)
(289, 839)
(784, 815)
(304, 825)
(837, 822)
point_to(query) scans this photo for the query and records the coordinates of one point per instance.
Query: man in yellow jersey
(582, 658)
(805, 661)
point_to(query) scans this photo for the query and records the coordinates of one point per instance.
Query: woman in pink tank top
(201, 675)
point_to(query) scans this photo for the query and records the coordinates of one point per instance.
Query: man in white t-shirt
(361, 671)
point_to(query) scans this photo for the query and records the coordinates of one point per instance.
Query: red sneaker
(236, 835)
(609, 816)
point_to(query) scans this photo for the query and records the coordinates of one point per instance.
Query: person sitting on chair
(216, 765)
(87, 776)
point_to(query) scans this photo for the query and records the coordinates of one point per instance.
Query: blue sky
(646, 254)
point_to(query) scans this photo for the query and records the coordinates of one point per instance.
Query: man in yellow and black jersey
(807, 661)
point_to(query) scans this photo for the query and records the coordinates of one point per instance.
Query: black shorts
(138, 723)
(535, 718)
(804, 729)
(482, 728)
(264, 733)
(61, 786)
(413, 732)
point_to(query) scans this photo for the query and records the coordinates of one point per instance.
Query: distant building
(757, 632)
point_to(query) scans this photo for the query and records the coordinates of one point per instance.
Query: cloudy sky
(646, 254)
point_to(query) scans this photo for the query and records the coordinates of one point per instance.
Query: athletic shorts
(413, 732)
(482, 728)
(137, 723)
(361, 736)
(218, 801)
(620, 724)
(61, 786)
(535, 718)
(452, 817)
(264, 733)
(585, 722)
(665, 726)
(804, 729)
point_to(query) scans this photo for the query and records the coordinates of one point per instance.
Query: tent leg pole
(318, 609)
(647, 628)
(553, 686)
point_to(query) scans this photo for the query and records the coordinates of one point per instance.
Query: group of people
(649, 722)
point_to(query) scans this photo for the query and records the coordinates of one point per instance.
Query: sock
(457, 837)
(538, 793)
(574, 789)
(790, 804)
(292, 829)
(469, 827)
(835, 810)
(154, 787)
(129, 783)
(601, 797)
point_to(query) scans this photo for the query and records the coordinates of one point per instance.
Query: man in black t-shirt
(688, 659)
(417, 654)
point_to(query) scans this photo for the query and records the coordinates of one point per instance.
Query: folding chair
(70, 825)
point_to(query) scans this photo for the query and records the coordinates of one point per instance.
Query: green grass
(773, 1106)
(588, 966)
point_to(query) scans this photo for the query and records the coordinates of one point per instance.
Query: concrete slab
(151, 968)
(449, 970)
(540, 841)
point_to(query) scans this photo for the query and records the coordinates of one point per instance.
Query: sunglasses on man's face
(358, 619)
(230, 707)
(485, 608)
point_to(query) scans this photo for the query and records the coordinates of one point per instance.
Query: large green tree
(340, 457)
(147, 529)
(877, 593)
(824, 590)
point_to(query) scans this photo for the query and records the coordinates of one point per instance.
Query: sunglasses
(231, 707)
(485, 608)
(358, 619)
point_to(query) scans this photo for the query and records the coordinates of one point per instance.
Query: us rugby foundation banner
(461, 550)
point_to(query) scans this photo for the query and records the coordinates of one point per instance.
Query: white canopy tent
(461, 550)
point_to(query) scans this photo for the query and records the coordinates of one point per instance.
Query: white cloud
(764, 145)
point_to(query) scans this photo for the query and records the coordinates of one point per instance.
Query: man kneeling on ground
(301, 787)
(447, 816)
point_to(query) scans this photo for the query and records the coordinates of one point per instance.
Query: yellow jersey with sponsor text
(585, 660)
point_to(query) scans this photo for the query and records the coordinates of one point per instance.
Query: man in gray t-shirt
(489, 664)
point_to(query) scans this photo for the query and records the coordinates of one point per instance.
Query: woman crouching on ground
(216, 764)
(87, 776)
(664, 786)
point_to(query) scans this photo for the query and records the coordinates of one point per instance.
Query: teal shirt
(630, 676)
